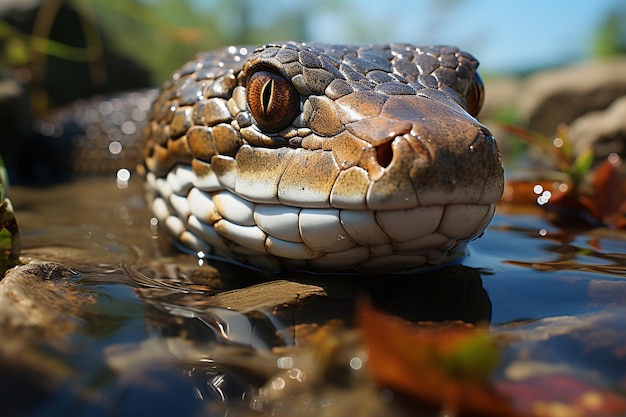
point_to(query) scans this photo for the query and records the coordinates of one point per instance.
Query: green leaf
(9, 232)
(474, 358)
(17, 52)
(582, 165)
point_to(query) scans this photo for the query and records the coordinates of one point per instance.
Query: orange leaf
(429, 362)
(609, 189)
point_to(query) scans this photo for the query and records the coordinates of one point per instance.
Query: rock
(38, 303)
(561, 95)
(604, 130)
(39, 300)
(590, 98)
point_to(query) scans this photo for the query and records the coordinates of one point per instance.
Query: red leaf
(609, 191)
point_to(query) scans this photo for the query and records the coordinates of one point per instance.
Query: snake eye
(272, 100)
(475, 95)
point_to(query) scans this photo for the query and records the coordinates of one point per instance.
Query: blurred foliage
(610, 38)
(573, 188)
(160, 34)
(164, 34)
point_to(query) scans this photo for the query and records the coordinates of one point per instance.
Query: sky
(505, 35)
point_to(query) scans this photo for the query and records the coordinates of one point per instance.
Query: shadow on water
(123, 325)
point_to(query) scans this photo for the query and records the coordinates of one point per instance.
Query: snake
(323, 157)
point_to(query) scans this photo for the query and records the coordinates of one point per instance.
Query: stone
(603, 130)
(561, 95)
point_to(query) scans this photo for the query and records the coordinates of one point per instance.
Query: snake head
(333, 157)
(398, 122)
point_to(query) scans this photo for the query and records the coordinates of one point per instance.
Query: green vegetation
(161, 34)
(164, 34)
(9, 234)
(610, 38)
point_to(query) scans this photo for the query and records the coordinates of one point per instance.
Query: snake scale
(323, 157)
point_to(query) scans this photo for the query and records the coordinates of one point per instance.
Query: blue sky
(505, 35)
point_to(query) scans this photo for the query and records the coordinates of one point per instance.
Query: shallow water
(142, 328)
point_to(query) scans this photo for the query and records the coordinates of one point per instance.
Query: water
(140, 328)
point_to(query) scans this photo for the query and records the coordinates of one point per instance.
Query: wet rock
(36, 304)
(37, 300)
(562, 95)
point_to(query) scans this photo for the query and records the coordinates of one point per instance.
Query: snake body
(323, 157)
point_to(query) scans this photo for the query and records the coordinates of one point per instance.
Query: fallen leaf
(609, 189)
(446, 365)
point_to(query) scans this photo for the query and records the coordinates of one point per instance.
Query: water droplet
(46, 129)
(123, 175)
(278, 384)
(128, 127)
(356, 363)
(296, 374)
(544, 197)
(115, 148)
(285, 362)
(614, 158)
(118, 117)
(105, 107)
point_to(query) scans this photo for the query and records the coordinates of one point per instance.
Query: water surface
(139, 328)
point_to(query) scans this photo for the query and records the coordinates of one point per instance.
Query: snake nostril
(384, 154)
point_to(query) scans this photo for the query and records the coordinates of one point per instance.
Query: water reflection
(244, 349)
(579, 253)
